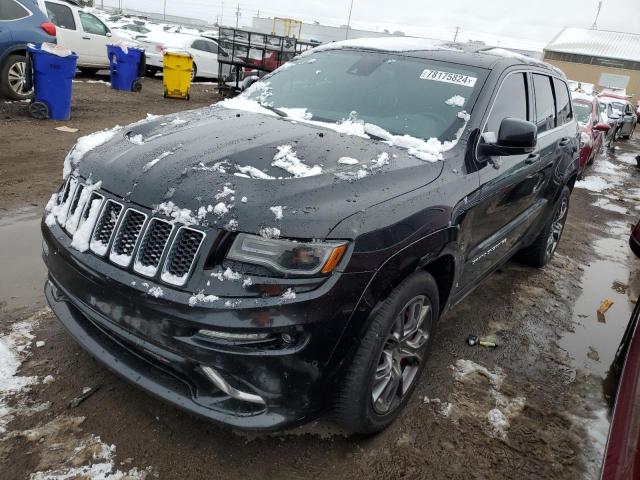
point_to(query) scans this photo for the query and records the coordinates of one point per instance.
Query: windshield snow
(403, 95)
(583, 111)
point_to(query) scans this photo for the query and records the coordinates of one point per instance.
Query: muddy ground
(545, 377)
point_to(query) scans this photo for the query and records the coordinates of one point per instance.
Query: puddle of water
(593, 344)
(23, 271)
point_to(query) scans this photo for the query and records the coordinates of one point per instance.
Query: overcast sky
(515, 23)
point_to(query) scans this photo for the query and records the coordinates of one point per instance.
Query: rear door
(67, 28)
(205, 55)
(507, 199)
(94, 38)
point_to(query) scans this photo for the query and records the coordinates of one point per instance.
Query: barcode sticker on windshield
(448, 77)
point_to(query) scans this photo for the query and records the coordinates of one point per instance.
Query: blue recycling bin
(125, 67)
(52, 83)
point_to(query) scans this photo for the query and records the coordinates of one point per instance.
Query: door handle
(86, 38)
(533, 158)
(565, 141)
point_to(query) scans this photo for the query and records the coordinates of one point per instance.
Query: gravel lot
(546, 376)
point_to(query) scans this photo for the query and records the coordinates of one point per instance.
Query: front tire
(89, 71)
(13, 78)
(541, 251)
(391, 357)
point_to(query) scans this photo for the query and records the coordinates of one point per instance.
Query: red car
(592, 129)
(622, 455)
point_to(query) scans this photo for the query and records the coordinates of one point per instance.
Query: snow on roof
(582, 96)
(387, 44)
(597, 43)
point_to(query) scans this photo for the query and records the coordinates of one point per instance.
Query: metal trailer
(242, 54)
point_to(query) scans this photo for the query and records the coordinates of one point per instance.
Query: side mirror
(515, 137)
(108, 34)
(602, 127)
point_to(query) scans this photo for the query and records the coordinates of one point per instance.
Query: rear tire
(12, 78)
(194, 71)
(390, 358)
(541, 251)
(151, 72)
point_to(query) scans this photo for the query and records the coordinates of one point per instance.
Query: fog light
(235, 337)
(286, 338)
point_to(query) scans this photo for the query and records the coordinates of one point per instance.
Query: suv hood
(193, 159)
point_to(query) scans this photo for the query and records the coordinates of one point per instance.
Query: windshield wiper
(275, 110)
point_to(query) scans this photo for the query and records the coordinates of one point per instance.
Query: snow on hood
(223, 150)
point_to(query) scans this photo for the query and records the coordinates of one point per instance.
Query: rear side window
(512, 102)
(12, 10)
(545, 107)
(91, 24)
(563, 102)
(60, 15)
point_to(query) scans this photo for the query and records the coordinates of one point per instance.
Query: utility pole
(455, 36)
(237, 16)
(164, 11)
(346, 36)
(222, 14)
(595, 21)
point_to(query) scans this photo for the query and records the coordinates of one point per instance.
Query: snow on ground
(84, 145)
(606, 204)
(629, 158)
(593, 184)
(348, 161)
(248, 171)
(14, 349)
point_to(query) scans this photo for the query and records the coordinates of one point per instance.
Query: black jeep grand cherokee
(292, 249)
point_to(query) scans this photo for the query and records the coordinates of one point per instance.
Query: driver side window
(91, 24)
(512, 101)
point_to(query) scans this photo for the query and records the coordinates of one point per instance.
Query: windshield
(403, 95)
(583, 111)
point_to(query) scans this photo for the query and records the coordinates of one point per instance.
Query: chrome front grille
(180, 259)
(156, 245)
(153, 245)
(105, 227)
(127, 237)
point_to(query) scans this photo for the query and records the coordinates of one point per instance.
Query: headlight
(584, 139)
(287, 256)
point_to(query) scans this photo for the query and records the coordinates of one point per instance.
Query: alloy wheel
(557, 226)
(17, 78)
(402, 355)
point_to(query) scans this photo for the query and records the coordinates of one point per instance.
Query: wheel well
(6, 55)
(443, 271)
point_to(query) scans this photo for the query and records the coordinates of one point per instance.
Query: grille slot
(104, 230)
(72, 221)
(153, 245)
(127, 237)
(182, 256)
(67, 199)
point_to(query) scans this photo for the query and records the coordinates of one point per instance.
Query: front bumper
(154, 342)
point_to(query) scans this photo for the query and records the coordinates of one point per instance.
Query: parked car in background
(21, 22)
(263, 313)
(203, 50)
(592, 130)
(611, 113)
(82, 32)
(620, 112)
(132, 31)
(622, 453)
